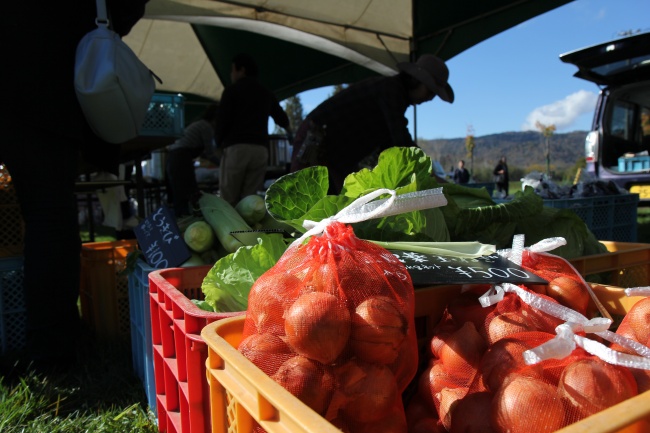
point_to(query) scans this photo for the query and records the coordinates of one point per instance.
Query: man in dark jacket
(45, 136)
(242, 130)
(368, 116)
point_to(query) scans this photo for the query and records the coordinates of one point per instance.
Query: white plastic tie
(546, 245)
(492, 296)
(567, 337)
(514, 254)
(517, 249)
(559, 347)
(638, 291)
(364, 208)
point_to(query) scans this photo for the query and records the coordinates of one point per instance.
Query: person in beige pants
(242, 130)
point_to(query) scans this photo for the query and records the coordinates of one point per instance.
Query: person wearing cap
(367, 116)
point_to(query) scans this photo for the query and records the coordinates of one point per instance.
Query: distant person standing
(242, 130)
(461, 175)
(501, 177)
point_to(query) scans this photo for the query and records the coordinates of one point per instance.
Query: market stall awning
(304, 44)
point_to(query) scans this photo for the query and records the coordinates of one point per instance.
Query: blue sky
(516, 78)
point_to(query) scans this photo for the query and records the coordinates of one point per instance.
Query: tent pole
(412, 49)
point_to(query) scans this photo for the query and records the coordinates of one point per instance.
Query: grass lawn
(103, 395)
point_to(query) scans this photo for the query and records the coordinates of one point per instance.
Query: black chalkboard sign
(429, 269)
(161, 241)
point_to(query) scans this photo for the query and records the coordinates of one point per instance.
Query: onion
(359, 277)
(418, 409)
(467, 308)
(317, 326)
(341, 424)
(525, 404)
(537, 288)
(369, 390)
(591, 385)
(267, 302)
(506, 356)
(266, 351)
(392, 422)
(569, 292)
(472, 414)
(438, 340)
(506, 324)
(638, 319)
(449, 399)
(324, 278)
(433, 380)
(462, 351)
(405, 367)
(378, 329)
(428, 425)
(424, 384)
(642, 378)
(310, 382)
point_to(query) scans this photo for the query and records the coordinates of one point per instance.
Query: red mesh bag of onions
(472, 351)
(510, 358)
(482, 376)
(333, 322)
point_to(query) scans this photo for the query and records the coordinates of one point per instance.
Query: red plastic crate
(179, 352)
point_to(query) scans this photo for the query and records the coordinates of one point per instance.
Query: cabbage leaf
(228, 282)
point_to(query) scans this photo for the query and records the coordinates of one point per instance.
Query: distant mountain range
(522, 149)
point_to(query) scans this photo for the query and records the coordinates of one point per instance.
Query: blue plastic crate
(141, 345)
(13, 311)
(635, 163)
(165, 117)
(611, 218)
(624, 227)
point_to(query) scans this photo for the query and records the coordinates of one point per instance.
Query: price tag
(161, 241)
(429, 269)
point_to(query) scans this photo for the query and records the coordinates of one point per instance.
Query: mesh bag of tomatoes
(333, 322)
(477, 378)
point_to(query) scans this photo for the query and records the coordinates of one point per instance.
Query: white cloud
(562, 113)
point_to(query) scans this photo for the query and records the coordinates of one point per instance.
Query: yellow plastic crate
(241, 394)
(625, 265)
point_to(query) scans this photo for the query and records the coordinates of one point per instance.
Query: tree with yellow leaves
(469, 147)
(547, 131)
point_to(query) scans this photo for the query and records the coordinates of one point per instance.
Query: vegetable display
(331, 320)
(470, 219)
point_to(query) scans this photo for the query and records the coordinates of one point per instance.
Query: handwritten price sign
(161, 241)
(429, 269)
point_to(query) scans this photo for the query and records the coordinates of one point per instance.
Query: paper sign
(161, 241)
(430, 269)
